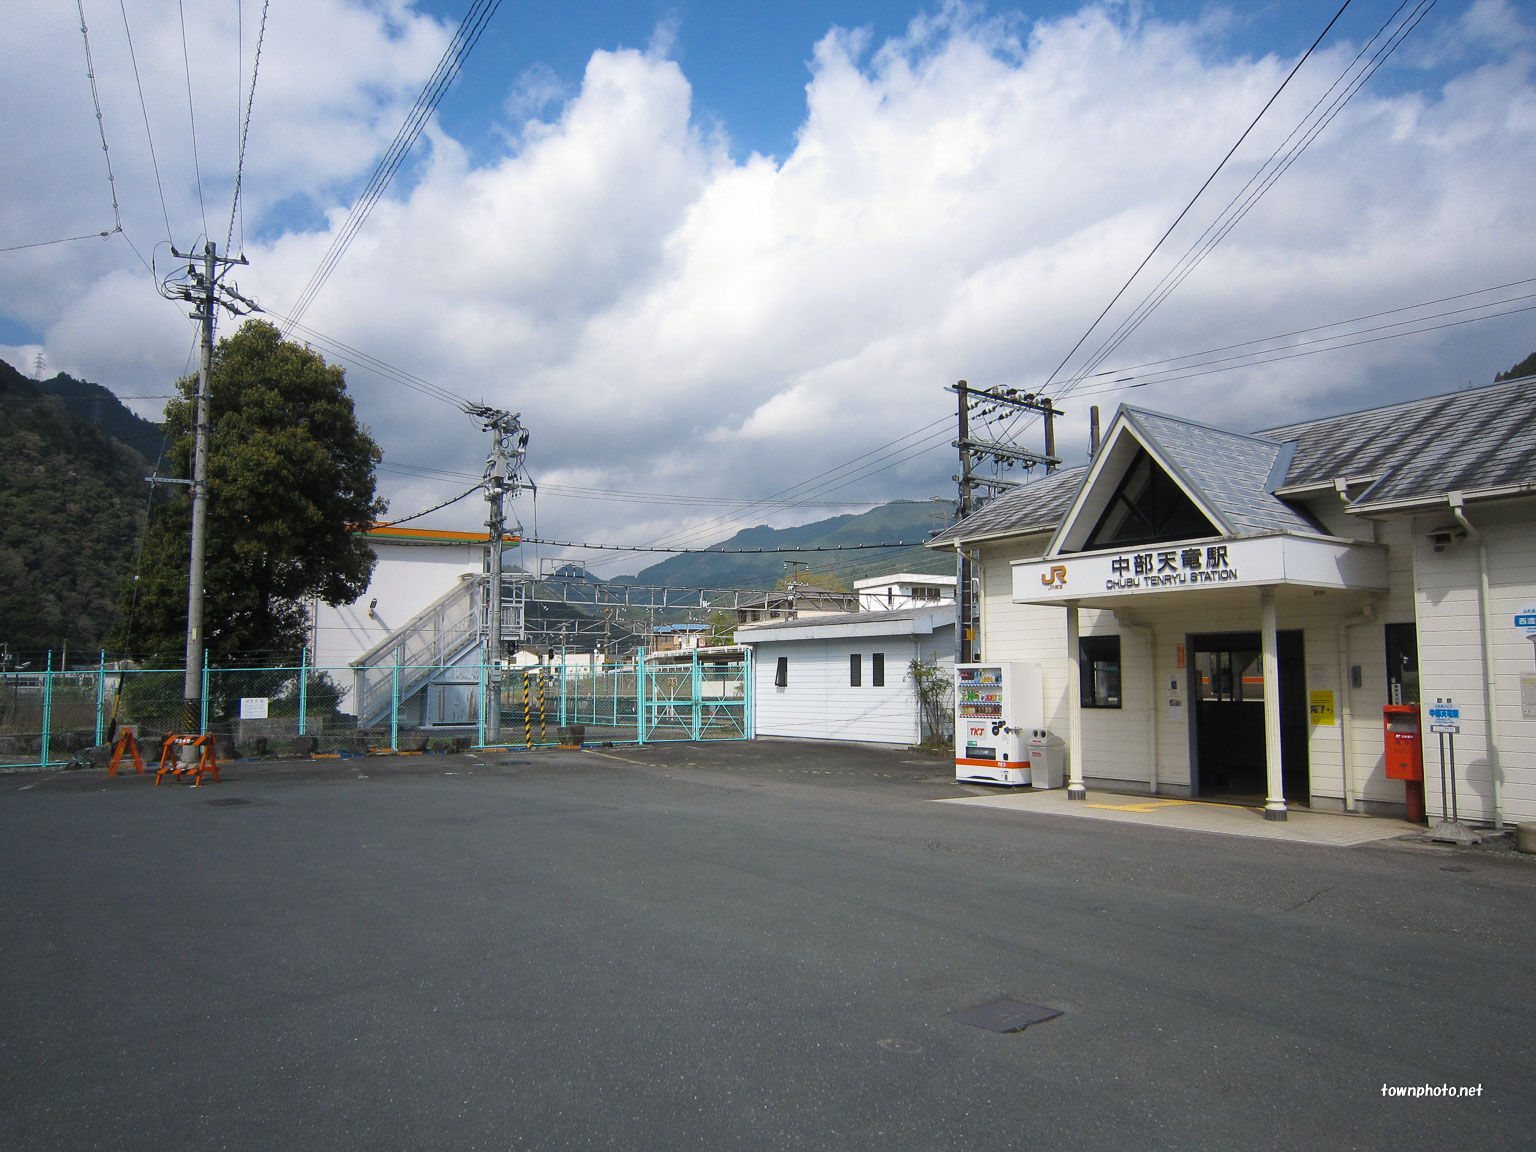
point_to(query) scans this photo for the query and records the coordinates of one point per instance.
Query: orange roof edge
(402, 533)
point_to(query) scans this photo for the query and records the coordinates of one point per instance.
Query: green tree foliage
(291, 472)
(1526, 367)
(71, 508)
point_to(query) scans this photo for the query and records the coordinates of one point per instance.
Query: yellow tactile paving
(1302, 826)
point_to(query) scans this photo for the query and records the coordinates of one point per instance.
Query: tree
(1526, 367)
(290, 477)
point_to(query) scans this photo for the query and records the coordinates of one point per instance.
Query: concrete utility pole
(203, 290)
(1006, 455)
(503, 475)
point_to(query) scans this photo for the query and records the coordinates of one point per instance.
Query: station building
(1227, 616)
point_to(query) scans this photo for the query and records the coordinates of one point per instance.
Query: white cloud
(960, 202)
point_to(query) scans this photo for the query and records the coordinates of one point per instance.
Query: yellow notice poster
(1320, 705)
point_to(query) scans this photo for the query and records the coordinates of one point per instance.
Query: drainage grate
(1004, 1015)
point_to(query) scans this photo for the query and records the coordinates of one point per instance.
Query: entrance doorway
(1227, 687)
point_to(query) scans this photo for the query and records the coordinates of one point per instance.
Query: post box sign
(1190, 567)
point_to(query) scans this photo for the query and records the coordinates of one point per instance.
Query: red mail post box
(1404, 744)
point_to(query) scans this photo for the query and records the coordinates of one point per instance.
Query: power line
(464, 40)
(720, 551)
(361, 359)
(144, 108)
(245, 132)
(428, 511)
(186, 60)
(1305, 56)
(1278, 163)
(101, 125)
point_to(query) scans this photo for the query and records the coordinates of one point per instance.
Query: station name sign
(1183, 568)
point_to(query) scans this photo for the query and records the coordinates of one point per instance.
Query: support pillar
(1076, 789)
(1274, 803)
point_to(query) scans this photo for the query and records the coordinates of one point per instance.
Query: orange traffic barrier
(126, 742)
(204, 762)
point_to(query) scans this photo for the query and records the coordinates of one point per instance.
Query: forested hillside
(909, 521)
(72, 501)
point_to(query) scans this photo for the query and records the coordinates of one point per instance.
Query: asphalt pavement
(730, 946)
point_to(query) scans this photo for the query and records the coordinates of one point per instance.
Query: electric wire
(1254, 123)
(186, 60)
(101, 125)
(1303, 351)
(463, 42)
(427, 511)
(1278, 163)
(245, 132)
(61, 240)
(1154, 364)
(144, 108)
(361, 359)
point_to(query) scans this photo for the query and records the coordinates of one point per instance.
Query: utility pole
(989, 401)
(503, 475)
(203, 291)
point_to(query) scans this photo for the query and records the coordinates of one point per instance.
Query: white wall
(819, 704)
(1451, 659)
(405, 580)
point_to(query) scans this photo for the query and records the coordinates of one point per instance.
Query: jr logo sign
(1056, 577)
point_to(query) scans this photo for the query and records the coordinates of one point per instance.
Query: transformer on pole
(503, 475)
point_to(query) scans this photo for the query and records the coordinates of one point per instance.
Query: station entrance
(1227, 687)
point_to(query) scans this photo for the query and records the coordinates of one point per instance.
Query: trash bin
(1047, 759)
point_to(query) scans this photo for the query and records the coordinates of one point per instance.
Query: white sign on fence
(253, 707)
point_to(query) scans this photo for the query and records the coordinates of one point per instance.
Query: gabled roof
(1481, 439)
(1477, 441)
(1035, 507)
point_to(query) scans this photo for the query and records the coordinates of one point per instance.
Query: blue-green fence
(48, 717)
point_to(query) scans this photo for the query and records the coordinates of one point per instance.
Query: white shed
(846, 677)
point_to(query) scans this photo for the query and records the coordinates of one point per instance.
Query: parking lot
(727, 946)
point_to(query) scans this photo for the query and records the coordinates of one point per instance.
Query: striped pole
(527, 716)
(543, 712)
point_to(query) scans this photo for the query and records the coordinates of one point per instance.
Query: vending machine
(997, 708)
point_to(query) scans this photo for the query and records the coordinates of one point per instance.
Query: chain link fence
(55, 717)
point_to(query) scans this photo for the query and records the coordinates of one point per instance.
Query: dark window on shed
(877, 670)
(781, 673)
(854, 670)
(1099, 668)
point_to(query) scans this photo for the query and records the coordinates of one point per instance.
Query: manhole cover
(1004, 1015)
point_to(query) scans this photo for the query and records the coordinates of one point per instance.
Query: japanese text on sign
(1171, 568)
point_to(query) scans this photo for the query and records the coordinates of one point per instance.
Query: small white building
(1223, 615)
(846, 677)
(904, 590)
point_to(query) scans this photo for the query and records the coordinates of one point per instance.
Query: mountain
(72, 503)
(97, 406)
(906, 521)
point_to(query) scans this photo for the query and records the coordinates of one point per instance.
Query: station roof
(1478, 442)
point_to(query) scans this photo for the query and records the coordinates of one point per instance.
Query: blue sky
(712, 251)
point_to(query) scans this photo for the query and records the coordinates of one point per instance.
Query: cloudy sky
(725, 263)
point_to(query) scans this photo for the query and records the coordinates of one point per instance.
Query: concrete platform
(1302, 826)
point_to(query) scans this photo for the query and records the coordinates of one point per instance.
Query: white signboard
(253, 707)
(1185, 568)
